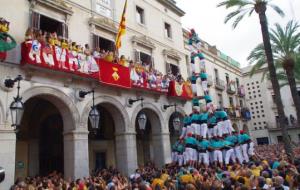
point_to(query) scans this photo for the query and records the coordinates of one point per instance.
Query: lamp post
(142, 118)
(17, 106)
(176, 120)
(94, 115)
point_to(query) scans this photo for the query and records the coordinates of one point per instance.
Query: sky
(208, 21)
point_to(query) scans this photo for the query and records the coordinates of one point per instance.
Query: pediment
(144, 40)
(58, 5)
(172, 53)
(104, 23)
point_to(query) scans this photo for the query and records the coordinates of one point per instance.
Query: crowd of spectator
(269, 170)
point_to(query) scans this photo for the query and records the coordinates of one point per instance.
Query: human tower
(207, 137)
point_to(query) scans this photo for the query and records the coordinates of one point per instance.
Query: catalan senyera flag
(122, 27)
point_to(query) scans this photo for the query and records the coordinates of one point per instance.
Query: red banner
(114, 74)
(180, 90)
(59, 59)
(2, 56)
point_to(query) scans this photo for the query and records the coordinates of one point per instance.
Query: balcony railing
(219, 84)
(231, 89)
(100, 70)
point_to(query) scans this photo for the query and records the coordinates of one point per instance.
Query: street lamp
(94, 115)
(142, 118)
(176, 120)
(17, 106)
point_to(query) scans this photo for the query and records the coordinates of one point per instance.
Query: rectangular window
(216, 74)
(262, 140)
(103, 7)
(168, 31)
(47, 24)
(103, 43)
(279, 139)
(241, 103)
(227, 78)
(144, 59)
(220, 100)
(237, 82)
(140, 15)
(230, 101)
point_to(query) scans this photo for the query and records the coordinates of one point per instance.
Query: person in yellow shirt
(109, 57)
(164, 176)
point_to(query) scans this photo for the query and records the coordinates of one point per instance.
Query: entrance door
(100, 160)
(51, 145)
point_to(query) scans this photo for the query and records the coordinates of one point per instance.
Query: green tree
(285, 44)
(247, 7)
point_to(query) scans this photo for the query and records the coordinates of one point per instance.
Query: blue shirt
(246, 137)
(212, 120)
(220, 114)
(207, 98)
(193, 79)
(232, 138)
(228, 143)
(204, 144)
(180, 148)
(204, 116)
(216, 144)
(190, 140)
(240, 138)
(203, 75)
(195, 101)
(194, 117)
(186, 120)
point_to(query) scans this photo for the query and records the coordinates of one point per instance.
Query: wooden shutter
(152, 62)
(168, 67)
(65, 31)
(96, 42)
(35, 21)
(137, 56)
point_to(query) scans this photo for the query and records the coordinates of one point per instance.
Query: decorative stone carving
(59, 5)
(104, 23)
(172, 53)
(143, 40)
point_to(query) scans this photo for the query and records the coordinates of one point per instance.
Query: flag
(122, 28)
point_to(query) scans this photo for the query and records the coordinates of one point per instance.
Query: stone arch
(62, 102)
(154, 115)
(114, 107)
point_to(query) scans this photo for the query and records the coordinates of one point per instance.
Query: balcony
(233, 112)
(219, 84)
(231, 88)
(245, 114)
(209, 80)
(111, 74)
(241, 91)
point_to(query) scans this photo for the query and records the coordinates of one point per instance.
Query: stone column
(76, 154)
(126, 152)
(7, 156)
(161, 148)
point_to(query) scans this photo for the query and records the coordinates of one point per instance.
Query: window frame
(143, 23)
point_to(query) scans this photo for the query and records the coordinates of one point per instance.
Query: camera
(2, 174)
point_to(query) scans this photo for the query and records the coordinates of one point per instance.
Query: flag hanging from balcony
(122, 27)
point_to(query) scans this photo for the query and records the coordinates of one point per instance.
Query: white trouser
(192, 154)
(194, 88)
(174, 156)
(218, 129)
(245, 152)
(183, 133)
(193, 67)
(229, 155)
(228, 127)
(180, 159)
(185, 157)
(202, 64)
(238, 154)
(204, 85)
(210, 132)
(211, 157)
(203, 130)
(203, 158)
(190, 129)
(218, 156)
(196, 128)
(251, 149)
